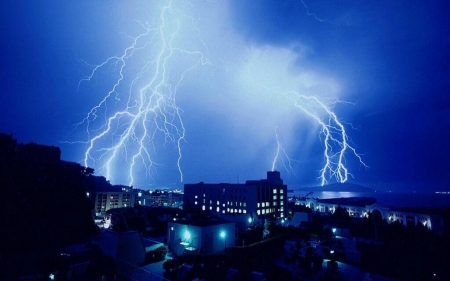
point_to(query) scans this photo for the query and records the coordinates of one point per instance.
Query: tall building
(266, 198)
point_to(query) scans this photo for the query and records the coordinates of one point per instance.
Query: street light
(222, 235)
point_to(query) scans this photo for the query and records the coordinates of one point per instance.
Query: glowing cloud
(189, 60)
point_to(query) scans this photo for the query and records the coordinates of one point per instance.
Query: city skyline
(386, 62)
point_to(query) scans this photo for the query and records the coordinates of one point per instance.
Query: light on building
(187, 235)
(331, 251)
(87, 194)
(249, 219)
(140, 194)
(222, 234)
(51, 276)
(334, 230)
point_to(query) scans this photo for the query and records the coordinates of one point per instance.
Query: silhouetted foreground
(44, 204)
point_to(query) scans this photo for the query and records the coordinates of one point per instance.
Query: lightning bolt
(335, 138)
(313, 14)
(139, 113)
(282, 155)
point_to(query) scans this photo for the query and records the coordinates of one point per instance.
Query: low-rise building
(208, 235)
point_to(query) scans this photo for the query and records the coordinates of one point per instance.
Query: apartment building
(266, 198)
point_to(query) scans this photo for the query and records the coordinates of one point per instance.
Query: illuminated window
(240, 211)
(203, 207)
(231, 211)
(223, 211)
(210, 207)
(275, 203)
(217, 209)
(258, 212)
(204, 195)
(244, 211)
(223, 205)
(281, 203)
(281, 197)
(263, 211)
(274, 191)
(210, 201)
(281, 190)
(257, 205)
(267, 203)
(274, 197)
(218, 203)
(235, 210)
(263, 204)
(195, 196)
(195, 202)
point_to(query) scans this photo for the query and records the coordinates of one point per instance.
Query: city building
(105, 201)
(207, 235)
(362, 206)
(266, 198)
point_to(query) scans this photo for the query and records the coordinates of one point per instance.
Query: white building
(265, 198)
(105, 201)
(361, 207)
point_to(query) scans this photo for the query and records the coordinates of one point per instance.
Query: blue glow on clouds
(387, 59)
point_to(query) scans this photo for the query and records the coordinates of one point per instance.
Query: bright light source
(250, 220)
(331, 251)
(187, 235)
(334, 230)
(222, 234)
(51, 276)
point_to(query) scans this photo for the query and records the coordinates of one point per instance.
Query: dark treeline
(44, 205)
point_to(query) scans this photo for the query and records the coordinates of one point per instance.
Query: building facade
(105, 201)
(361, 207)
(266, 198)
(205, 236)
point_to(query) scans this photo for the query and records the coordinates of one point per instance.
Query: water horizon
(400, 199)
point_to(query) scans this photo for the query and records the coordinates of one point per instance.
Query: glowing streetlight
(222, 235)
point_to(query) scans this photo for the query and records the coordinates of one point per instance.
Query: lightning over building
(138, 115)
(335, 139)
(136, 126)
(282, 156)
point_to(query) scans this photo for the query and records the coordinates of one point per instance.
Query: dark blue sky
(389, 59)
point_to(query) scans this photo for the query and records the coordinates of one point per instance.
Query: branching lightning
(335, 138)
(138, 114)
(282, 156)
(148, 118)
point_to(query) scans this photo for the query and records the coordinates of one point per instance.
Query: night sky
(225, 86)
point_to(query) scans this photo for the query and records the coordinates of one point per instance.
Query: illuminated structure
(200, 236)
(265, 198)
(105, 201)
(362, 206)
